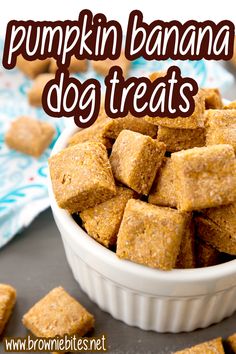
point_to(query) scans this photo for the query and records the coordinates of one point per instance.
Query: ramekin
(173, 301)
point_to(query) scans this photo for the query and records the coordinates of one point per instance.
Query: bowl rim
(131, 269)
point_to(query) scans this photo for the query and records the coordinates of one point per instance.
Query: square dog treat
(231, 105)
(102, 67)
(81, 176)
(36, 91)
(58, 314)
(205, 177)
(206, 255)
(221, 127)
(213, 98)
(163, 189)
(103, 221)
(7, 302)
(151, 235)
(135, 159)
(32, 68)
(214, 346)
(196, 120)
(217, 227)
(231, 344)
(139, 125)
(181, 139)
(76, 65)
(29, 136)
(94, 133)
(186, 258)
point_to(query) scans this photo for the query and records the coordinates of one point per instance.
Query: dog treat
(139, 125)
(151, 235)
(102, 67)
(231, 105)
(186, 258)
(103, 221)
(221, 127)
(181, 139)
(205, 177)
(214, 346)
(217, 227)
(231, 344)
(163, 189)
(7, 302)
(93, 133)
(213, 99)
(36, 91)
(135, 159)
(157, 74)
(206, 255)
(29, 136)
(58, 314)
(196, 120)
(32, 68)
(76, 65)
(81, 176)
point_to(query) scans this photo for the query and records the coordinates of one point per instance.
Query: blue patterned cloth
(23, 186)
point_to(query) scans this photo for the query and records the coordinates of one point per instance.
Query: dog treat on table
(58, 314)
(75, 66)
(151, 235)
(81, 176)
(135, 159)
(32, 68)
(231, 105)
(102, 222)
(196, 120)
(217, 227)
(231, 344)
(181, 139)
(206, 255)
(213, 99)
(102, 67)
(187, 258)
(7, 302)
(205, 177)
(29, 136)
(221, 127)
(139, 125)
(214, 346)
(163, 189)
(94, 133)
(36, 91)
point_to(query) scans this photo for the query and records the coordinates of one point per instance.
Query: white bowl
(173, 301)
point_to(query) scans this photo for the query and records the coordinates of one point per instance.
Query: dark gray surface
(34, 262)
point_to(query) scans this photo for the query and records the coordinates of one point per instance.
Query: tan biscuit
(58, 314)
(29, 136)
(186, 258)
(102, 67)
(205, 177)
(151, 235)
(221, 127)
(32, 68)
(214, 346)
(196, 120)
(163, 189)
(76, 66)
(102, 222)
(213, 99)
(7, 302)
(36, 91)
(135, 159)
(81, 176)
(181, 139)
